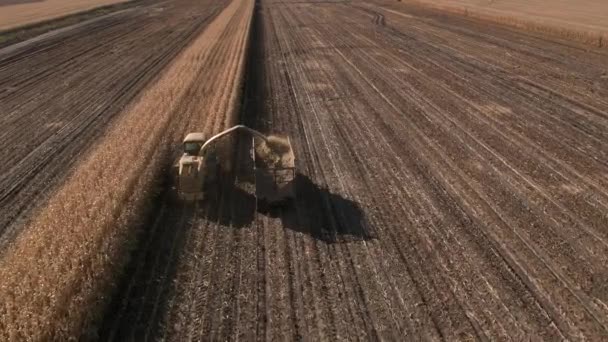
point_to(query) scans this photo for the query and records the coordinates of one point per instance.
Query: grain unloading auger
(199, 168)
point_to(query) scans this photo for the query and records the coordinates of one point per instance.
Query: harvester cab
(193, 143)
(199, 168)
(195, 169)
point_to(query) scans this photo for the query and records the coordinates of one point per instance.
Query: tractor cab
(193, 143)
(196, 168)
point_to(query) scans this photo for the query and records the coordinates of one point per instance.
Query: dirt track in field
(57, 94)
(453, 185)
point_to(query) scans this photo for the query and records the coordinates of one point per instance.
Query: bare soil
(452, 185)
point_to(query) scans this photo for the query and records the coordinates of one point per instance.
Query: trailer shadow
(323, 215)
(315, 211)
(234, 206)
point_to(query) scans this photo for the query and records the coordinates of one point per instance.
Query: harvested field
(581, 14)
(59, 92)
(16, 13)
(452, 185)
(576, 21)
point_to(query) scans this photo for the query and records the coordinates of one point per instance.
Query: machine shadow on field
(315, 211)
(323, 215)
(234, 206)
(163, 232)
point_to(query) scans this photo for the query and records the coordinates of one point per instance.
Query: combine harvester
(199, 169)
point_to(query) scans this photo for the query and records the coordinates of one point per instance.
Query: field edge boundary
(22, 32)
(589, 38)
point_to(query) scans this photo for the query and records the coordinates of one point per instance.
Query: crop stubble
(453, 186)
(475, 154)
(58, 94)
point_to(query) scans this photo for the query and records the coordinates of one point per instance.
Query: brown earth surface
(581, 14)
(16, 13)
(59, 92)
(453, 185)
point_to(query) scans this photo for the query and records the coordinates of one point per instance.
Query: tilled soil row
(452, 186)
(428, 117)
(58, 94)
